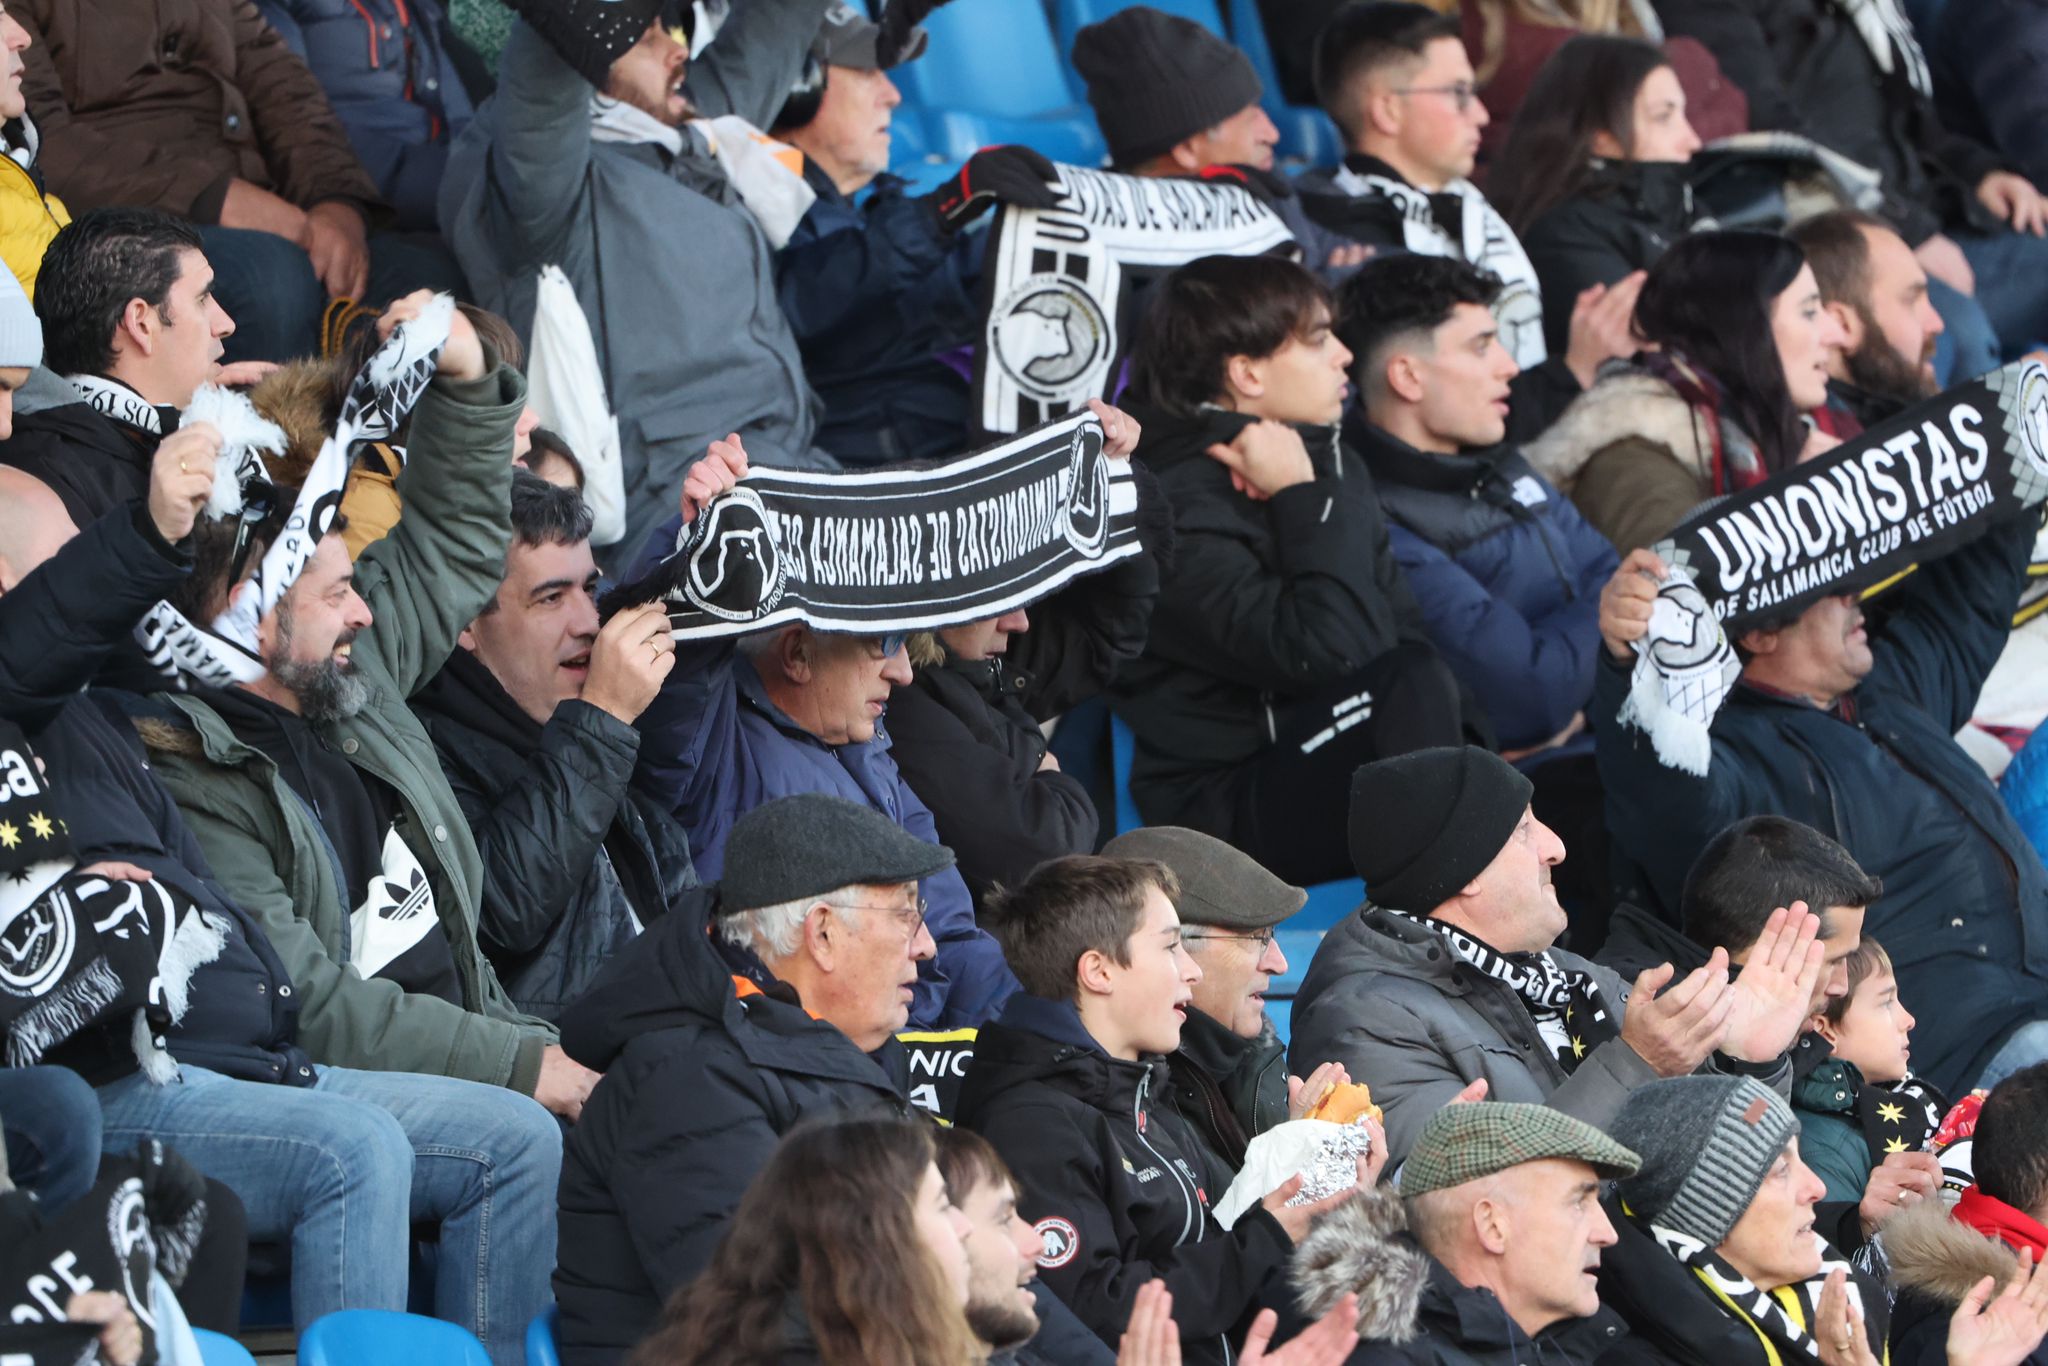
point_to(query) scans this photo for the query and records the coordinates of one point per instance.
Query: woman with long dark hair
(1593, 177)
(1720, 405)
(845, 1251)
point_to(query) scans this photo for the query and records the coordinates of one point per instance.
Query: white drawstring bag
(566, 387)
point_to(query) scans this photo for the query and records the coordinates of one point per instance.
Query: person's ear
(796, 654)
(1404, 377)
(467, 639)
(8, 578)
(1094, 972)
(137, 327)
(1606, 145)
(1245, 377)
(1490, 1224)
(1851, 323)
(823, 931)
(1760, 642)
(1185, 155)
(1819, 1024)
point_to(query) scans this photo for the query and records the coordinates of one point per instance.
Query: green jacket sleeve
(428, 579)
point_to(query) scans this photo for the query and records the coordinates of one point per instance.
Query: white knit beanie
(21, 332)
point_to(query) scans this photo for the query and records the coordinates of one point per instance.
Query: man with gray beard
(314, 791)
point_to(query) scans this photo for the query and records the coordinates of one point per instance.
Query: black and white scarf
(1889, 35)
(1899, 1117)
(381, 395)
(899, 549)
(1567, 1006)
(1057, 283)
(116, 402)
(1783, 1318)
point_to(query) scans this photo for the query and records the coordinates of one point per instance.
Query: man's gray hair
(775, 931)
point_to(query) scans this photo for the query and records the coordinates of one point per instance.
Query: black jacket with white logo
(1118, 1184)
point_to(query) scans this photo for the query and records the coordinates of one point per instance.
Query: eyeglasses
(891, 643)
(1462, 93)
(910, 917)
(1263, 938)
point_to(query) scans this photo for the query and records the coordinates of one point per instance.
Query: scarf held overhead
(379, 398)
(889, 550)
(1055, 289)
(1905, 491)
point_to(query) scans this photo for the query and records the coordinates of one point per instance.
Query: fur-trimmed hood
(1623, 404)
(1941, 1257)
(303, 397)
(1364, 1246)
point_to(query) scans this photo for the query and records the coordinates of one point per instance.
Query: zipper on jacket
(1192, 1218)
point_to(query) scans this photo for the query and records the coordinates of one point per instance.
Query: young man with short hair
(1067, 1085)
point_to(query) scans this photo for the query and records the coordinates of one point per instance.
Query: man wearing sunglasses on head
(1395, 78)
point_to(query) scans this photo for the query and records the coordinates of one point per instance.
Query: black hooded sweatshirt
(708, 1061)
(1118, 1184)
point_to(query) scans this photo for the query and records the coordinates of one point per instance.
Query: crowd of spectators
(459, 933)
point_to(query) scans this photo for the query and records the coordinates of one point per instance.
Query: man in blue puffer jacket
(1506, 572)
(385, 67)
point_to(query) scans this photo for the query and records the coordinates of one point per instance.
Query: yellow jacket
(29, 218)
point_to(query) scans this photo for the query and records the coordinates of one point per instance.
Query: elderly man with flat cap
(774, 994)
(1229, 1075)
(1450, 974)
(1502, 1202)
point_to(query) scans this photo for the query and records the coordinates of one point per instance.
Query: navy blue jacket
(1964, 914)
(1988, 56)
(384, 65)
(875, 292)
(1507, 574)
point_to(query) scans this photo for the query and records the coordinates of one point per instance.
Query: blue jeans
(1968, 347)
(267, 285)
(2027, 1046)
(52, 1123)
(2012, 285)
(343, 1168)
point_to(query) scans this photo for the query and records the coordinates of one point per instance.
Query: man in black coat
(128, 309)
(775, 994)
(533, 722)
(1069, 1086)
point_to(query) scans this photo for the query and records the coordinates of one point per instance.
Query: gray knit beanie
(21, 332)
(1707, 1143)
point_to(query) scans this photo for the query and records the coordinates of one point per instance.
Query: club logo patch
(736, 571)
(1048, 334)
(1062, 1241)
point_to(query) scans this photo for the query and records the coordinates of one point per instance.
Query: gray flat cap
(810, 844)
(1220, 884)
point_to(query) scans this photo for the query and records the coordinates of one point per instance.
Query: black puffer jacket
(1228, 1088)
(92, 463)
(571, 855)
(1267, 601)
(700, 1081)
(966, 732)
(1807, 69)
(1117, 1182)
(1620, 221)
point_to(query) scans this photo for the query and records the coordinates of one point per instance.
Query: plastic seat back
(359, 1337)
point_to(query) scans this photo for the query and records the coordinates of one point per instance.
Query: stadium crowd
(421, 889)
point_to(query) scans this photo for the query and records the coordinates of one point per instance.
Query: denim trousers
(52, 1126)
(2012, 286)
(342, 1169)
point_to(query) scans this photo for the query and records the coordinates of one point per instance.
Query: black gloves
(1013, 175)
(899, 39)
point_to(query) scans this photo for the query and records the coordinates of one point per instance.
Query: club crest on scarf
(899, 549)
(378, 399)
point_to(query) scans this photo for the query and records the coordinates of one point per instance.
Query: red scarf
(1996, 1219)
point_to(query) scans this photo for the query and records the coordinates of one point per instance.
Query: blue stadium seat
(992, 75)
(1306, 133)
(1328, 902)
(358, 1337)
(540, 1339)
(217, 1349)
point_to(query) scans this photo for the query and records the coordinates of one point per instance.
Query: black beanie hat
(1156, 80)
(1425, 824)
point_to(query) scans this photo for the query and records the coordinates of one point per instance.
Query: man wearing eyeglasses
(1395, 78)
(792, 710)
(773, 996)
(1229, 1075)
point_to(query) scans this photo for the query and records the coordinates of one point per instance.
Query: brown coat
(162, 102)
(1632, 455)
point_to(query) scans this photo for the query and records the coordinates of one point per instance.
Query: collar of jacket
(1409, 949)
(469, 694)
(1866, 407)
(1394, 461)
(1815, 1056)
(1994, 1218)
(992, 679)
(1825, 1085)
(1658, 191)
(1040, 1040)
(1748, 690)
(1173, 439)
(1446, 206)
(1475, 1317)
(1219, 1050)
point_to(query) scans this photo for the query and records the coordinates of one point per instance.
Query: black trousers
(1293, 802)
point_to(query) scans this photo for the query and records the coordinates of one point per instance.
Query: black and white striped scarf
(1567, 1006)
(1784, 1317)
